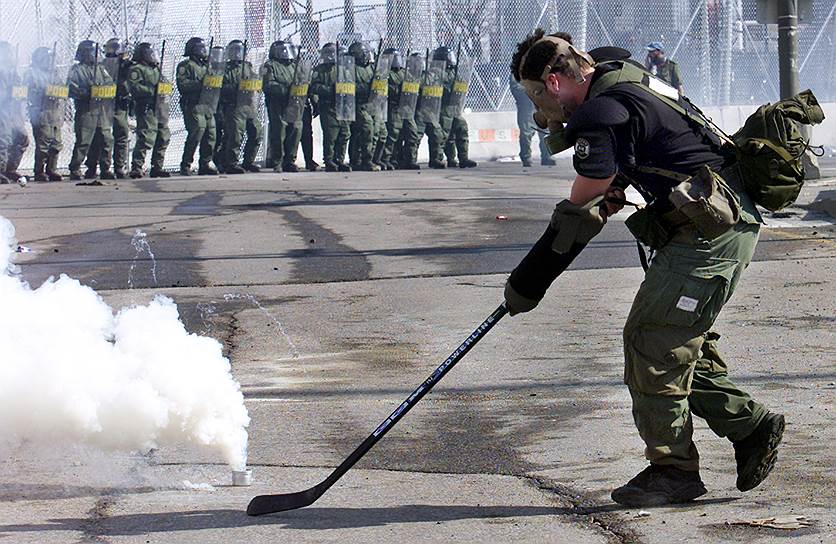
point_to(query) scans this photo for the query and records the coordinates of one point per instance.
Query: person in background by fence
(13, 137)
(47, 101)
(149, 91)
(662, 67)
(527, 127)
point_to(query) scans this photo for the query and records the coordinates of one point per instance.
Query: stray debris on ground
(787, 523)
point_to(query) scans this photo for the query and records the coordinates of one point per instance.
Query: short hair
(538, 56)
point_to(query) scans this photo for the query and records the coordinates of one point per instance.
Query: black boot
(756, 454)
(658, 485)
(52, 167)
(467, 163)
(40, 165)
(438, 165)
(159, 173)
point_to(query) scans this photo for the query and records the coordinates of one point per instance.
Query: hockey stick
(268, 504)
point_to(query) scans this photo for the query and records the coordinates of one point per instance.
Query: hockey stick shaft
(314, 493)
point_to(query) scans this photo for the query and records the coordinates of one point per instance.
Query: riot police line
(374, 108)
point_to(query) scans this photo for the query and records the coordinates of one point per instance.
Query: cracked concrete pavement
(336, 295)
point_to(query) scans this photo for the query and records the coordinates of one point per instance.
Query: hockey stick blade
(268, 504)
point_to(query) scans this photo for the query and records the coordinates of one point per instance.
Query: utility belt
(705, 205)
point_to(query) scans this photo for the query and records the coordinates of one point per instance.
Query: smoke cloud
(72, 369)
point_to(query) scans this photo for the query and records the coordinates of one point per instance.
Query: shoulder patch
(582, 148)
(134, 75)
(182, 70)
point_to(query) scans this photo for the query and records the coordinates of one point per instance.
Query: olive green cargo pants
(200, 134)
(458, 140)
(672, 364)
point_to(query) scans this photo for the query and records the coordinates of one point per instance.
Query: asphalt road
(336, 295)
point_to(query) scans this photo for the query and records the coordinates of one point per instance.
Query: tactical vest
(768, 147)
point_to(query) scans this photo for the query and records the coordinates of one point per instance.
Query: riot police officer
(47, 101)
(385, 151)
(240, 98)
(150, 92)
(13, 137)
(335, 132)
(93, 91)
(279, 73)
(361, 143)
(116, 62)
(199, 81)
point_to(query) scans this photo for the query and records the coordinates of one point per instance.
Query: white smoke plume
(73, 370)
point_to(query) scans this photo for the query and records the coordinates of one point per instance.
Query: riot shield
(103, 94)
(53, 103)
(344, 91)
(161, 108)
(249, 88)
(379, 98)
(432, 89)
(464, 69)
(292, 113)
(16, 105)
(410, 86)
(111, 65)
(213, 81)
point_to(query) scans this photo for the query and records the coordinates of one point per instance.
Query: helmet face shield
(328, 54)
(216, 55)
(235, 51)
(281, 50)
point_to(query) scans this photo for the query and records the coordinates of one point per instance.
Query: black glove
(530, 280)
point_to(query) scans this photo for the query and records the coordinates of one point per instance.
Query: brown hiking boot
(658, 485)
(756, 454)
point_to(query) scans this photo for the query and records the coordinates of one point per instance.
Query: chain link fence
(725, 56)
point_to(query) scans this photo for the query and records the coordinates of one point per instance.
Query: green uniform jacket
(323, 88)
(363, 76)
(142, 83)
(670, 73)
(80, 79)
(123, 93)
(448, 110)
(278, 77)
(395, 82)
(232, 79)
(190, 74)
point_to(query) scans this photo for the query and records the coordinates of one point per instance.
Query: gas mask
(551, 114)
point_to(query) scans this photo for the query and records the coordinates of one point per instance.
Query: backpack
(769, 148)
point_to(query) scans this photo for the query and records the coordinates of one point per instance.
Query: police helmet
(282, 50)
(85, 53)
(328, 53)
(195, 47)
(145, 54)
(361, 52)
(114, 47)
(397, 57)
(42, 58)
(235, 51)
(655, 46)
(446, 54)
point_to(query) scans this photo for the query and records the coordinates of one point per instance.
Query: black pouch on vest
(646, 227)
(707, 203)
